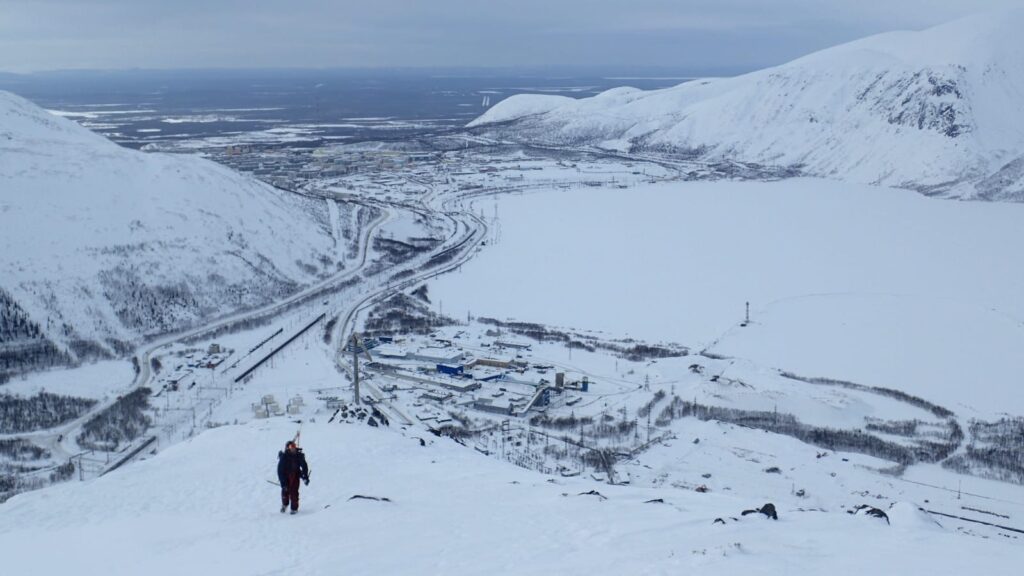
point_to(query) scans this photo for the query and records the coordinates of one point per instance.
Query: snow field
(845, 281)
(205, 506)
(945, 351)
(88, 381)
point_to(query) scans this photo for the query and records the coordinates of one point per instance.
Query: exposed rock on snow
(866, 510)
(768, 510)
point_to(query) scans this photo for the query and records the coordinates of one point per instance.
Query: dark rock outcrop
(768, 510)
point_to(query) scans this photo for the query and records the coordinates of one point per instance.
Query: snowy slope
(205, 507)
(100, 246)
(940, 111)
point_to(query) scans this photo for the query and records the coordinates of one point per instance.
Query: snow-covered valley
(526, 347)
(893, 321)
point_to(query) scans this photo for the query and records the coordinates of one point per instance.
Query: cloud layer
(700, 34)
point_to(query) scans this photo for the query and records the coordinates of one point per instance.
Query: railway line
(59, 441)
(467, 233)
(346, 295)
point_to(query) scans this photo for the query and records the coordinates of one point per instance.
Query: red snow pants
(290, 491)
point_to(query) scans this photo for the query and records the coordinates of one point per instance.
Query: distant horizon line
(618, 71)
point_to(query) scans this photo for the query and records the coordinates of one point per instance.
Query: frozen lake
(883, 286)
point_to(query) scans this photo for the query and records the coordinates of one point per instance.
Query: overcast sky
(700, 34)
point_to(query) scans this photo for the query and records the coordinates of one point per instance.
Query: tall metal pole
(355, 366)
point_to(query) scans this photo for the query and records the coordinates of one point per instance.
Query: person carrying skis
(291, 467)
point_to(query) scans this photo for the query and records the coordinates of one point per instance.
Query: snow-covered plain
(879, 286)
(205, 507)
(92, 380)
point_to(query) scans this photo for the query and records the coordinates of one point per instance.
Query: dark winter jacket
(289, 463)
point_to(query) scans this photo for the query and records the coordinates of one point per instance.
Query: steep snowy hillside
(101, 246)
(940, 111)
(206, 507)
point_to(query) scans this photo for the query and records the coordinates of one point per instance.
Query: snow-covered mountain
(101, 246)
(940, 111)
